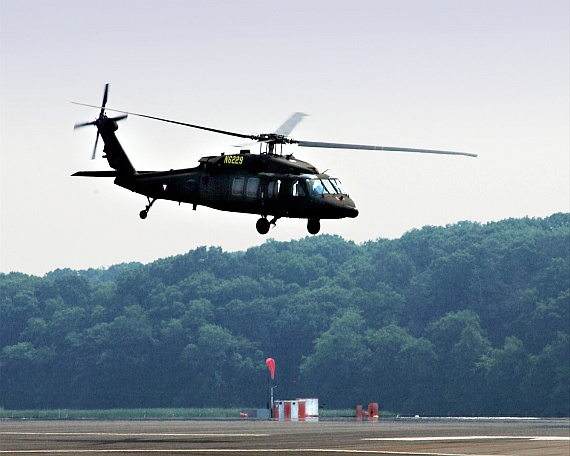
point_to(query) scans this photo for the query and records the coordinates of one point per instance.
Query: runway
(425, 437)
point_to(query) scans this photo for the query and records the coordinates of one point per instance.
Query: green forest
(468, 319)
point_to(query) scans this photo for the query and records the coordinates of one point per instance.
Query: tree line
(466, 319)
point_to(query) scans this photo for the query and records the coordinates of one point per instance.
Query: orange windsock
(271, 364)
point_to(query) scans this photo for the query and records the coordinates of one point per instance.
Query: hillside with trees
(467, 319)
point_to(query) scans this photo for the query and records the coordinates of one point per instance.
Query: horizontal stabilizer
(95, 173)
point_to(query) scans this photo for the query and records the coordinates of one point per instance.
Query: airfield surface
(427, 437)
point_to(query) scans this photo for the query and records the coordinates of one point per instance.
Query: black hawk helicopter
(269, 184)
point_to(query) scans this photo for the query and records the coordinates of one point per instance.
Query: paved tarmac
(423, 436)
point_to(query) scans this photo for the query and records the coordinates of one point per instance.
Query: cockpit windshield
(330, 188)
(339, 187)
(325, 186)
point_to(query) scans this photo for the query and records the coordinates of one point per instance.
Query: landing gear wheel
(262, 225)
(144, 213)
(313, 226)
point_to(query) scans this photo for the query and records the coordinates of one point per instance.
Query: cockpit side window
(316, 187)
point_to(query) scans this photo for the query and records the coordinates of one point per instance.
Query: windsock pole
(271, 364)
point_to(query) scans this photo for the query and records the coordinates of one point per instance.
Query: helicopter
(269, 183)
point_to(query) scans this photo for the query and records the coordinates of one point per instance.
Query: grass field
(122, 414)
(148, 414)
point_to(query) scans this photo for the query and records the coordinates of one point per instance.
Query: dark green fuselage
(264, 184)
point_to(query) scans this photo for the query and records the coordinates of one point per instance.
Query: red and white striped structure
(296, 410)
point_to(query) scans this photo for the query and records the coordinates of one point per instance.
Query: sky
(485, 77)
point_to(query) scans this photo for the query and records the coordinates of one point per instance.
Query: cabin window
(237, 186)
(298, 189)
(252, 187)
(273, 188)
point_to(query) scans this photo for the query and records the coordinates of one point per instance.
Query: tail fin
(113, 151)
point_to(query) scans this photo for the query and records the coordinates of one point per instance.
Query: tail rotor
(101, 120)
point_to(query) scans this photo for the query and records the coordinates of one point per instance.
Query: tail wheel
(313, 226)
(144, 213)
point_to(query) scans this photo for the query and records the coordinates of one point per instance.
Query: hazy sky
(487, 77)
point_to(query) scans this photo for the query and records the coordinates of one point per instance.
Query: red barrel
(359, 412)
(373, 410)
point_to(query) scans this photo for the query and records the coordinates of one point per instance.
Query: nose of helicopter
(351, 211)
(347, 205)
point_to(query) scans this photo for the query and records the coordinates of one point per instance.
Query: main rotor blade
(381, 148)
(279, 137)
(289, 124)
(199, 127)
